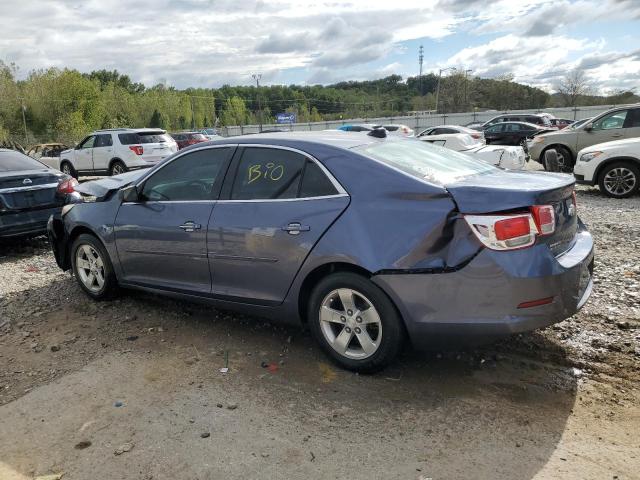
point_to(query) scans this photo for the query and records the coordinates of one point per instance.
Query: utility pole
(466, 86)
(24, 119)
(438, 87)
(257, 77)
(420, 60)
(193, 114)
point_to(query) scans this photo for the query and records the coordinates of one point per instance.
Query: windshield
(143, 137)
(12, 161)
(425, 161)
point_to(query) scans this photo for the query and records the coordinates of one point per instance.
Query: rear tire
(92, 268)
(619, 179)
(67, 168)
(117, 168)
(355, 323)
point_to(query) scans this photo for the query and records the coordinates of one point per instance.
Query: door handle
(190, 226)
(295, 228)
(616, 135)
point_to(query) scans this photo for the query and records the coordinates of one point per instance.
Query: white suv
(613, 166)
(116, 151)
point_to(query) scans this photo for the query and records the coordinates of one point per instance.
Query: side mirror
(130, 194)
(588, 127)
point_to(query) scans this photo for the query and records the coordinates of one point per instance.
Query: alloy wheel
(619, 181)
(350, 323)
(118, 169)
(66, 169)
(90, 267)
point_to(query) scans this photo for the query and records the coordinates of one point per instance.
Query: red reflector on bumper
(536, 303)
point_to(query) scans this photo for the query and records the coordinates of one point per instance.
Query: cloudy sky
(212, 42)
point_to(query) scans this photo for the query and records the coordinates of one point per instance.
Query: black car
(537, 119)
(30, 192)
(512, 133)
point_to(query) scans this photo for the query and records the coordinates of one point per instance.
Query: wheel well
(318, 274)
(114, 160)
(555, 146)
(75, 233)
(600, 168)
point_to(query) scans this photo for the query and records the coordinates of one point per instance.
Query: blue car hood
(502, 190)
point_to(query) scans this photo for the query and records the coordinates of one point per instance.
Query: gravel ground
(578, 380)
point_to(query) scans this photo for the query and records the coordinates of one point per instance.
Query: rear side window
(190, 177)
(268, 174)
(315, 183)
(12, 161)
(425, 161)
(143, 137)
(633, 118)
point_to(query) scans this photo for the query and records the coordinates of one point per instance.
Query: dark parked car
(30, 192)
(512, 133)
(535, 118)
(366, 240)
(185, 139)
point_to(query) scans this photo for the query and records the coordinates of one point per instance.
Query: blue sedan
(368, 240)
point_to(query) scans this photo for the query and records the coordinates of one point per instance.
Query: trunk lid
(30, 189)
(512, 191)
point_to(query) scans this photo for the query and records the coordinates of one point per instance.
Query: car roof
(129, 130)
(521, 123)
(335, 138)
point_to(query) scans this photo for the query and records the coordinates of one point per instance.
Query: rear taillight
(545, 218)
(67, 186)
(137, 149)
(510, 232)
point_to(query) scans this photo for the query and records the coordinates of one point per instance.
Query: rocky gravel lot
(587, 368)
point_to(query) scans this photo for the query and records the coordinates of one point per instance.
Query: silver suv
(116, 151)
(615, 124)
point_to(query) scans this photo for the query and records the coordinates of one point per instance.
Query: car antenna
(379, 132)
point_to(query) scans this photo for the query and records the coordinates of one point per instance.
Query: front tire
(92, 268)
(565, 159)
(117, 168)
(619, 179)
(355, 323)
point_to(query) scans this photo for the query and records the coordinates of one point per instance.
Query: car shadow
(493, 412)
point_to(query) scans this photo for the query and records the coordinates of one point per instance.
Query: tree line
(64, 105)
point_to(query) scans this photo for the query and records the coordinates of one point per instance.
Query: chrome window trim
(26, 189)
(341, 191)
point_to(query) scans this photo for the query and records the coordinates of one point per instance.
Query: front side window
(494, 129)
(268, 174)
(512, 127)
(425, 161)
(610, 121)
(88, 142)
(191, 177)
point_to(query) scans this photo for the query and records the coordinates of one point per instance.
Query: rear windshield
(143, 137)
(12, 161)
(196, 136)
(425, 161)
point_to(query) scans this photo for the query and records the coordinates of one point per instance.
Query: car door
(162, 237)
(493, 134)
(273, 210)
(102, 152)
(606, 128)
(84, 154)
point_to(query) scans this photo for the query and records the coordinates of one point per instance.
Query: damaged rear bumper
(484, 300)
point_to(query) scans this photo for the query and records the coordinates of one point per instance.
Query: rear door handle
(295, 228)
(190, 226)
